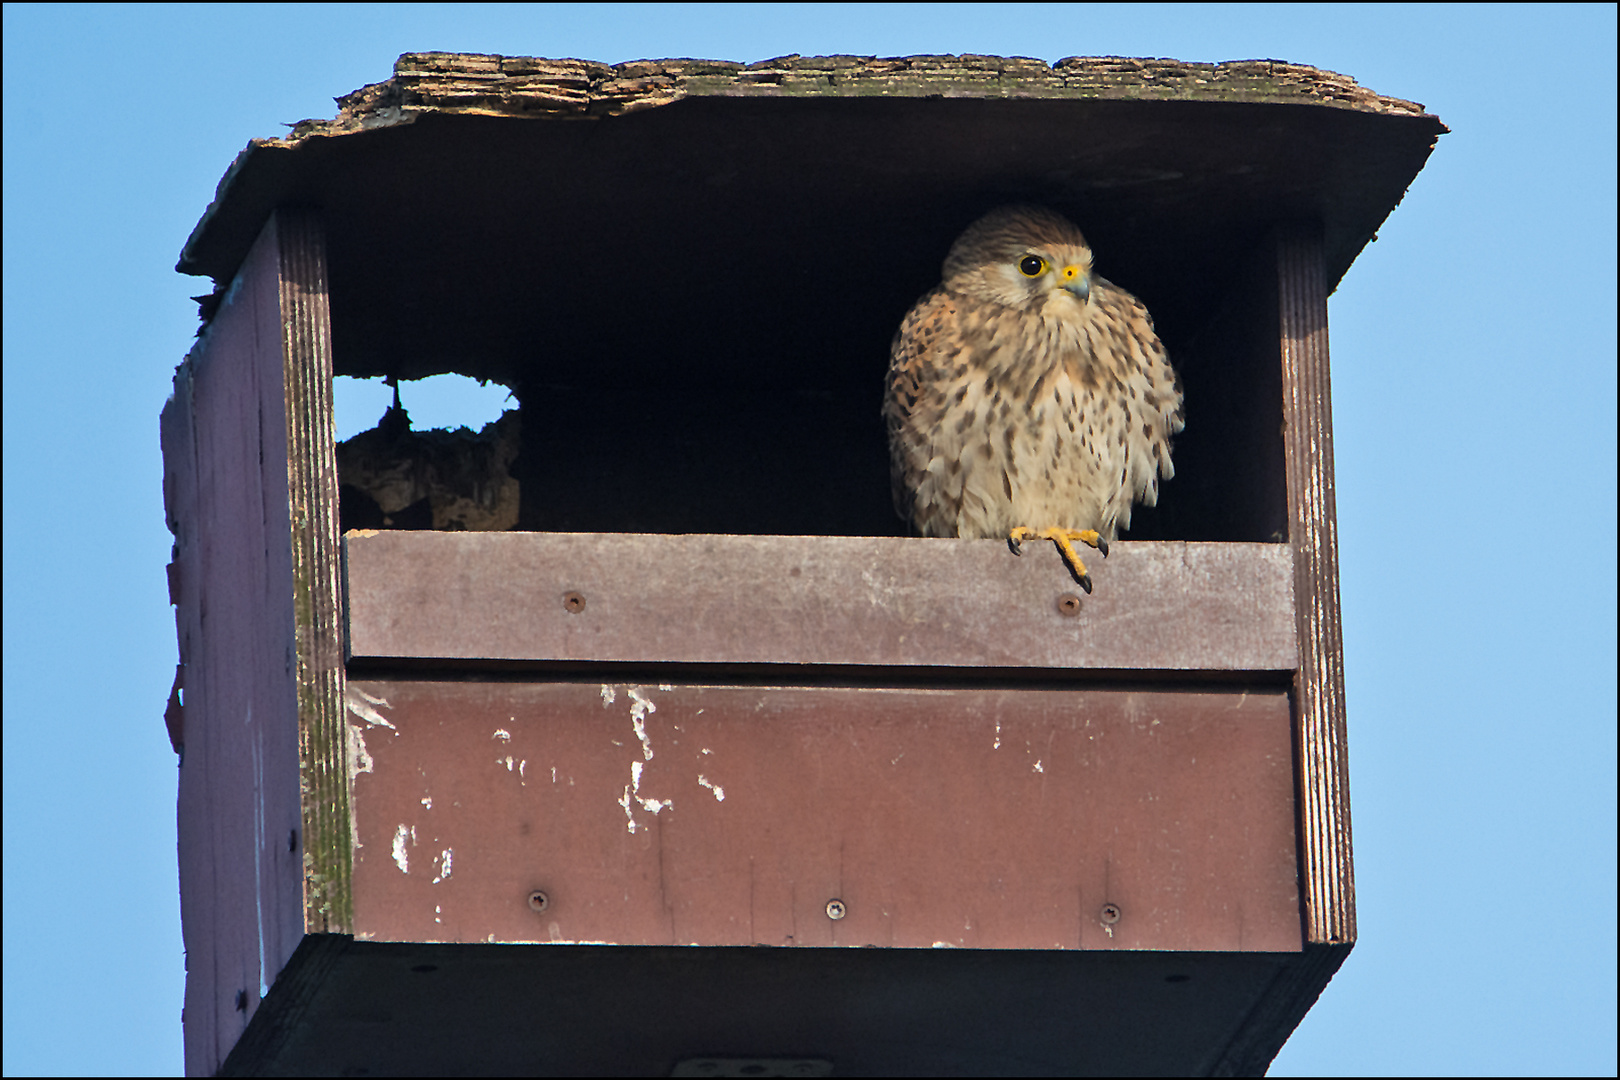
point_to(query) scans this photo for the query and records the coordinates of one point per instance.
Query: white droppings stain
(444, 865)
(437, 911)
(427, 803)
(719, 792)
(507, 761)
(359, 760)
(1038, 766)
(608, 694)
(705, 750)
(624, 801)
(1109, 930)
(997, 744)
(640, 707)
(554, 774)
(944, 945)
(524, 764)
(364, 706)
(896, 759)
(632, 793)
(502, 734)
(402, 858)
(666, 687)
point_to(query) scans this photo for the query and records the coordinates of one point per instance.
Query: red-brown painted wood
(989, 819)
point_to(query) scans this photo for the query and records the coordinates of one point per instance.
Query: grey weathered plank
(815, 600)
(312, 504)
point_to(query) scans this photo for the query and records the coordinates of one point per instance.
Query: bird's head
(1021, 256)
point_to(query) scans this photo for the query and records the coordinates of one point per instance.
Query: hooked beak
(1076, 280)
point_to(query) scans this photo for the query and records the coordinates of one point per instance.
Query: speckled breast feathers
(1027, 391)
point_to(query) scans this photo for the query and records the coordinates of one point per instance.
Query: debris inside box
(453, 481)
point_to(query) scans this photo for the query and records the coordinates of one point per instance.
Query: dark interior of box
(694, 303)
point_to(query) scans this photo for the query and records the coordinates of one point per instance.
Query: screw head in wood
(539, 901)
(574, 602)
(836, 909)
(1068, 604)
(1110, 914)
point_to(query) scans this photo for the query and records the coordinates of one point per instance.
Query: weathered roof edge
(534, 86)
(476, 84)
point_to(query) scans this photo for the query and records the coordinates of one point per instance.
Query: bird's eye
(1032, 266)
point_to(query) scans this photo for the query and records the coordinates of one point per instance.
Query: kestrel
(1028, 397)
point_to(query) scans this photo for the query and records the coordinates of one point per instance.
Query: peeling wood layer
(539, 87)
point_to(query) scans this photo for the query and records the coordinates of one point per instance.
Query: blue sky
(1474, 406)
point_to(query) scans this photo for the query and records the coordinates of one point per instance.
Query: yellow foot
(1064, 539)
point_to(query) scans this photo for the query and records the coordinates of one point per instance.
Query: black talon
(1102, 546)
(1016, 546)
(1085, 582)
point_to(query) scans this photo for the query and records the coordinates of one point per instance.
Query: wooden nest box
(693, 762)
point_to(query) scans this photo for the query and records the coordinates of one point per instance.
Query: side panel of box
(225, 452)
(256, 618)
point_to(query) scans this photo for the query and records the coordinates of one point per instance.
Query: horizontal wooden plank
(815, 600)
(1090, 819)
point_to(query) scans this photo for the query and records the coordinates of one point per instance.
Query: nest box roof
(467, 191)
